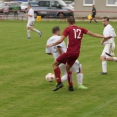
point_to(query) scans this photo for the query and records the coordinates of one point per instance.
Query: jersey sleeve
(65, 32)
(84, 31)
(48, 50)
(31, 12)
(106, 32)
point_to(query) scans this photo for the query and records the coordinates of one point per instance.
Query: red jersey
(75, 35)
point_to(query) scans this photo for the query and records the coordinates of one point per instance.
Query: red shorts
(68, 58)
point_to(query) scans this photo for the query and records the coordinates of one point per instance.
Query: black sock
(95, 21)
(90, 21)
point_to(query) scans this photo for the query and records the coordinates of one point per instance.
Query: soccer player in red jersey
(75, 35)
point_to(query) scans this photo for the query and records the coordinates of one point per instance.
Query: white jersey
(31, 12)
(6, 8)
(53, 50)
(109, 31)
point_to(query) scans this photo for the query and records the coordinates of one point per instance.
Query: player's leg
(57, 75)
(39, 32)
(3, 15)
(103, 59)
(111, 53)
(79, 76)
(29, 28)
(65, 76)
(35, 30)
(28, 32)
(63, 71)
(104, 65)
(94, 18)
(77, 68)
(91, 20)
(17, 14)
(69, 77)
(6, 15)
(71, 60)
(63, 58)
(112, 59)
(14, 15)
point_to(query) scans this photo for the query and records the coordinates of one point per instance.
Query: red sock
(57, 74)
(70, 79)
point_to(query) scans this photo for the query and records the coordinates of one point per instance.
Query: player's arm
(59, 49)
(97, 35)
(58, 42)
(103, 40)
(106, 33)
(93, 11)
(29, 15)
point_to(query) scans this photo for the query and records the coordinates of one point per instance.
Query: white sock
(64, 78)
(79, 77)
(28, 33)
(36, 30)
(115, 59)
(104, 66)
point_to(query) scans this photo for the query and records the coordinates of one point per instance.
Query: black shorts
(93, 15)
(15, 13)
(6, 13)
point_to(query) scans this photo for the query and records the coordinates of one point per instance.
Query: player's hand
(50, 45)
(102, 42)
(26, 14)
(108, 37)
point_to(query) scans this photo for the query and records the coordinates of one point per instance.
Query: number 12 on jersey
(77, 33)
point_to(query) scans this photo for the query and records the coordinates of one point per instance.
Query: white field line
(92, 111)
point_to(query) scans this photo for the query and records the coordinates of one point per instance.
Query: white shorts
(75, 68)
(108, 50)
(30, 24)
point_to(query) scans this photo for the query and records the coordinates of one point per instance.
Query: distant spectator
(6, 11)
(15, 9)
(93, 14)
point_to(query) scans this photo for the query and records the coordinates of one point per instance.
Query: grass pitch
(24, 92)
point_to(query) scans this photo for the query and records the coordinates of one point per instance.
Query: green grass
(24, 92)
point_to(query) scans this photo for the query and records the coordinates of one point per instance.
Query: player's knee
(109, 58)
(103, 58)
(55, 64)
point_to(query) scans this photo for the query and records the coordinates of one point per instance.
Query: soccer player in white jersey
(56, 51)
(109, 45)
(30, 23)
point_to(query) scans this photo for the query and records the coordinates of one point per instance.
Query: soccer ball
(50, 77)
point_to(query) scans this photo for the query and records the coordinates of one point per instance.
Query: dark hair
(29, 4)
(55, 29)
(71, 20)
(106, 18)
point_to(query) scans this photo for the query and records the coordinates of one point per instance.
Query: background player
(109, 45)
(93, 14)
(75, 35)
(15, 9)
(57, 50)
(6, 11)
(30, 23)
